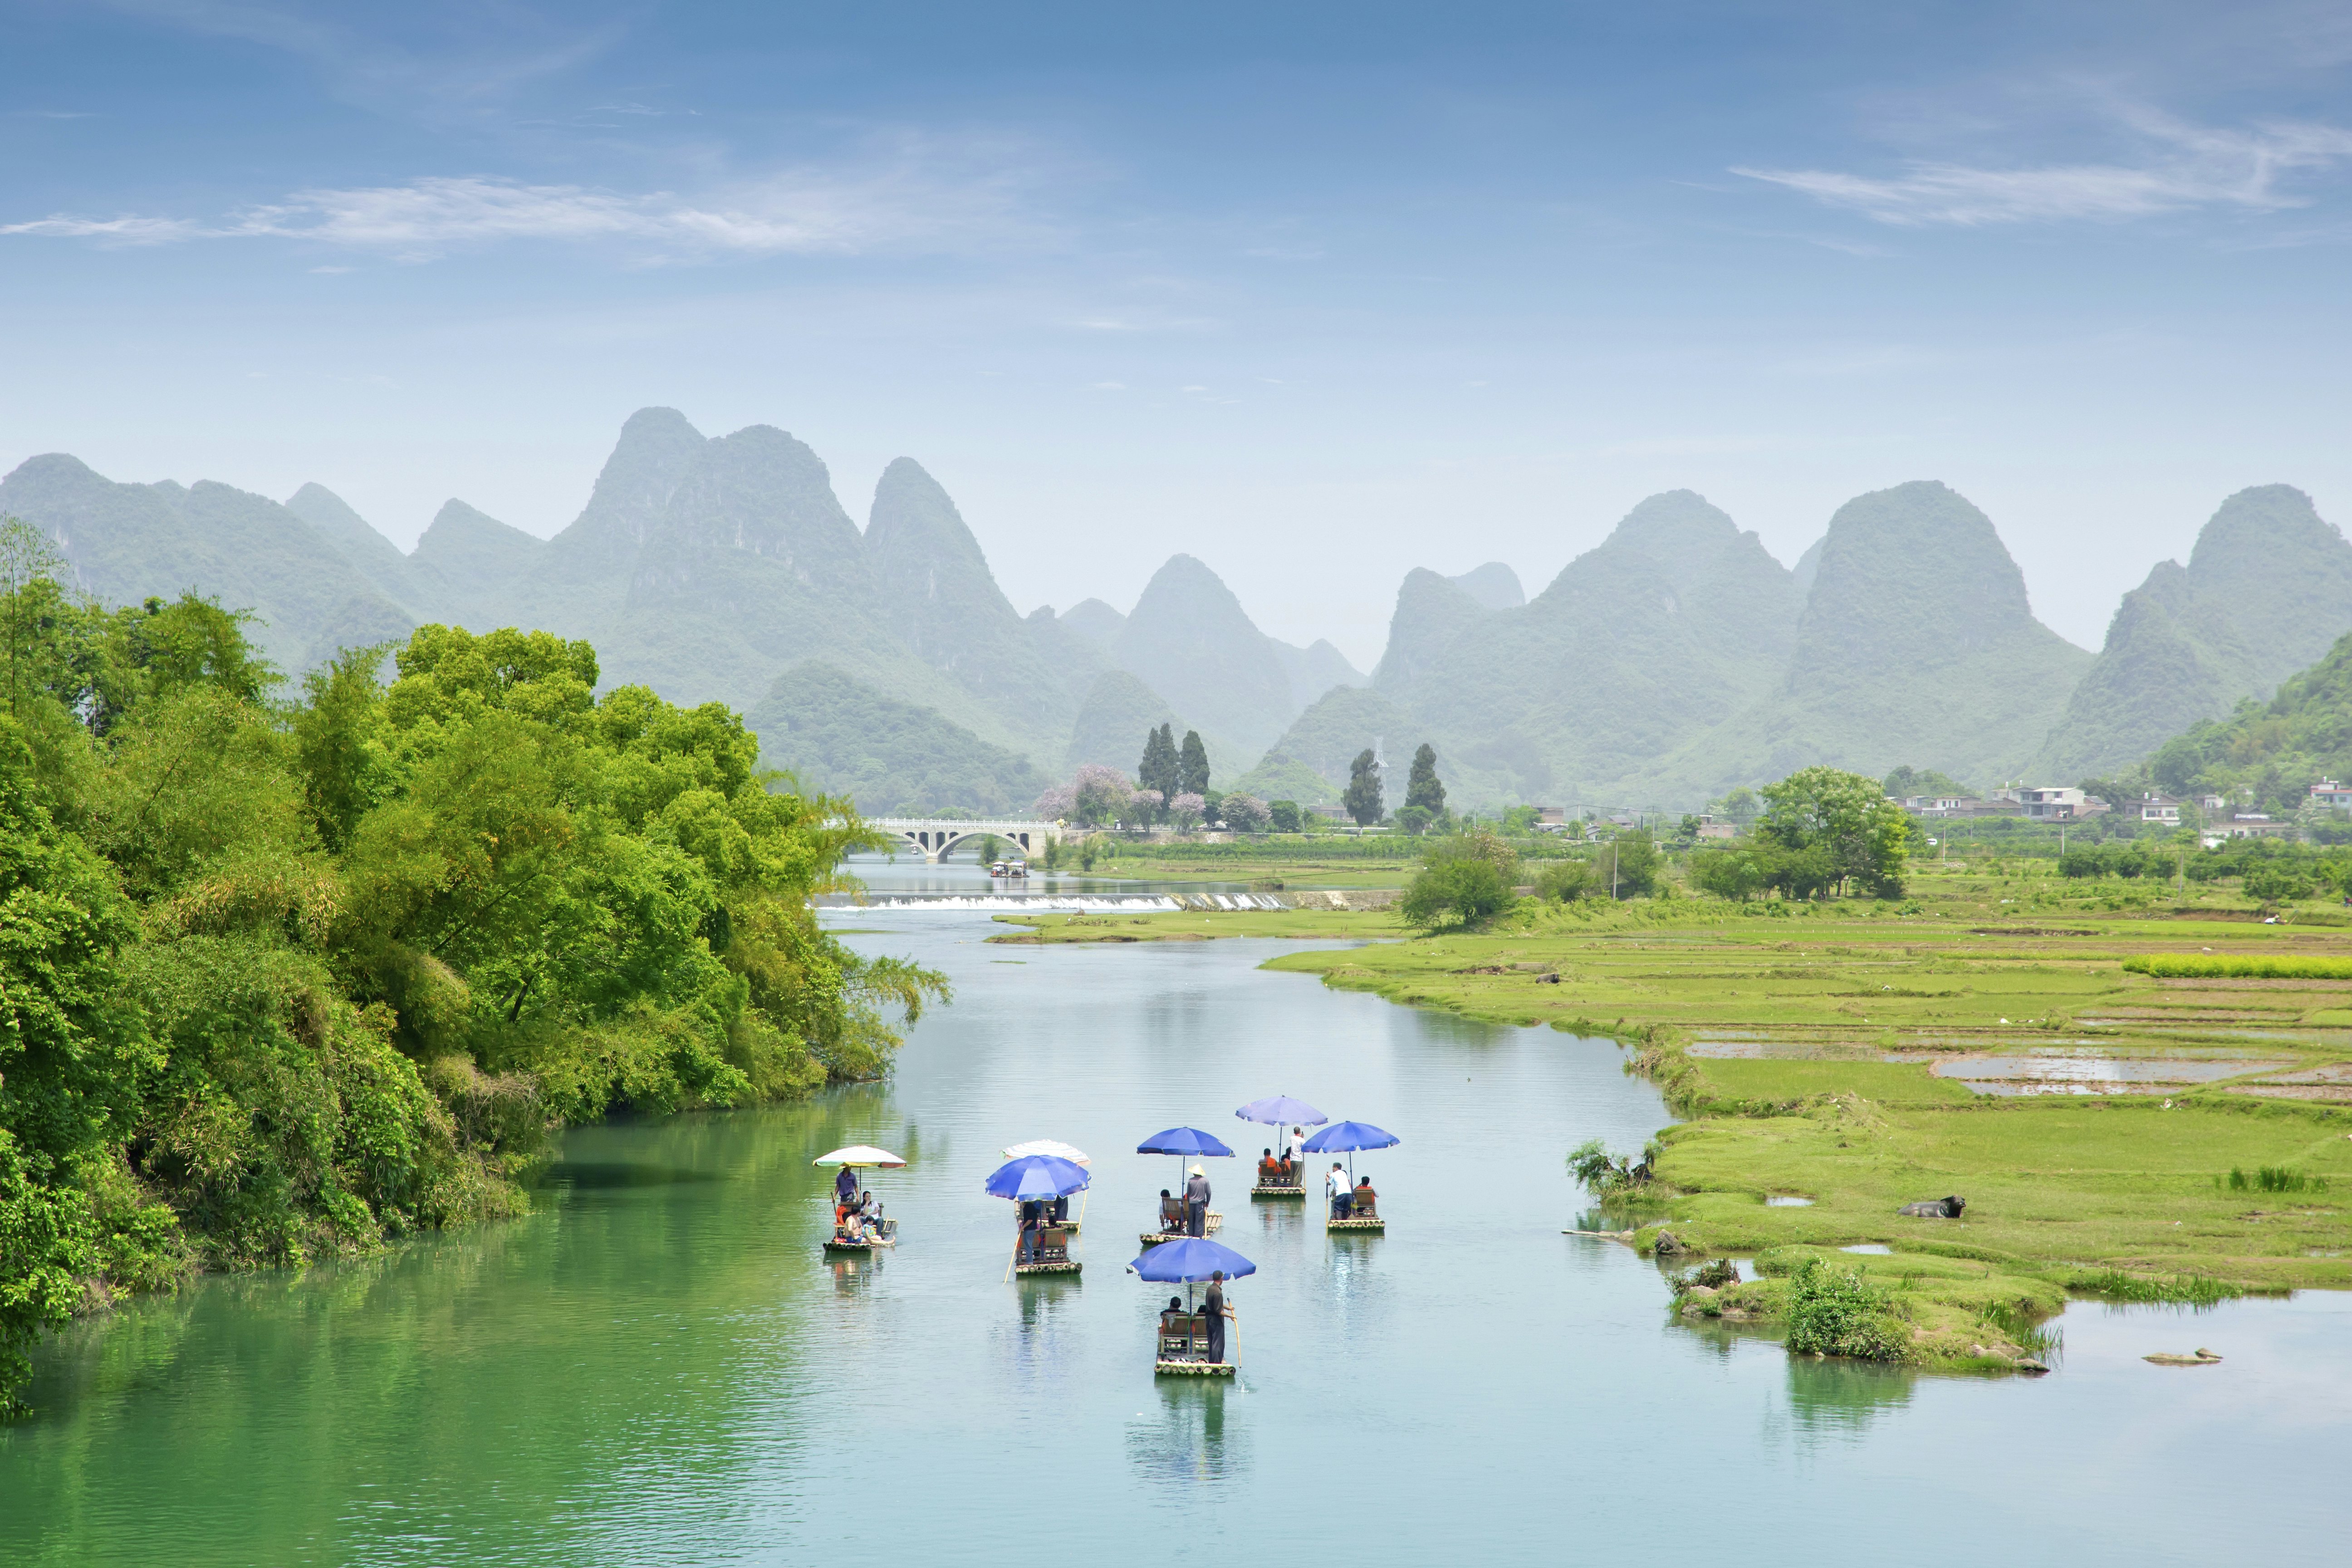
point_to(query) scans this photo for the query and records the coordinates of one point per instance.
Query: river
(658, 1367)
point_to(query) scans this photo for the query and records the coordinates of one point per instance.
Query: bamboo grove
(286, 974)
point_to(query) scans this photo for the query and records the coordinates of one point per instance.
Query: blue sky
(1317, 293)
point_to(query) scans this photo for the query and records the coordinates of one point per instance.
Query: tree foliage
(1192, 765)
(1424, 796)
(282, 981)
(1362, 800)
(1837, 827)
(1160, 770)
(1465, 879)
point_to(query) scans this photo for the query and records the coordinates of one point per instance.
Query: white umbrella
(1059, 1150)
(1047, 1146)
(859, 1154)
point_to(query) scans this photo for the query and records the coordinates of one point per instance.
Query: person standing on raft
(1336, 1185)
(1213, 1307)
(845, 1190)
(1196, 1203)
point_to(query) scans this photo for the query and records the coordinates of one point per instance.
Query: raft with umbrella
(1059, 1150)
(872, 1232)
(1347, 1137)
(1185, 1143)
(1278, 1111)
(1038, 1178)
(1184, 1337)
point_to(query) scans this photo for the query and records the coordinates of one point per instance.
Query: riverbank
(2112, 1132)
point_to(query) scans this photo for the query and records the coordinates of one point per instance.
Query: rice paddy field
(2137, 1095)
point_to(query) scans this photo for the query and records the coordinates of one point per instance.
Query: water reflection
(1184, 1442)
(1838, 1400)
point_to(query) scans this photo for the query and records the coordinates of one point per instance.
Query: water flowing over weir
(658, 1367)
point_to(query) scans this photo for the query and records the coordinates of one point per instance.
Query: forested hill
(287, 974)
(2269, 753)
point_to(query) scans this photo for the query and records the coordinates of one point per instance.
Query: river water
(658, 1367)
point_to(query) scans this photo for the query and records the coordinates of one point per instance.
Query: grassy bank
(1825, 1052)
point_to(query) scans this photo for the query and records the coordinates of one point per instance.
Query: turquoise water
(660, 1367)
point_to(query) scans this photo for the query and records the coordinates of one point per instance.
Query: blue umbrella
(1345, 1137)
(1181, 1141)
(1349, 1137)
(1181, 1262)
(1278, 1108)
(1036, 1176)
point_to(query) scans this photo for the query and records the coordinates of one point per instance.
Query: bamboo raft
(1068, 1265)
(1373, 1223)
(835, 1247)
(1193, 1368)
(1276, 1190)
(1213, 1223)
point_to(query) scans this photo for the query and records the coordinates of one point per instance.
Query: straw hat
(1198, 1172)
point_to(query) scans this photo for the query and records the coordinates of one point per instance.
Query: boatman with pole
(1196, 1202)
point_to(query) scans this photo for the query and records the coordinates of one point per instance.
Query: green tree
(1192, 764)
(1424, 793)
(1844, 821)
(1161, 769)
(1284, 816)
(1728, 873)
(1565, 881)
(1739, 806)
(1633, 864)
(1362, 801)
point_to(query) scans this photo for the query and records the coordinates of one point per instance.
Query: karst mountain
(1673, 661)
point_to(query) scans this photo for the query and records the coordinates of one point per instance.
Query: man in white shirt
(1336, 1185)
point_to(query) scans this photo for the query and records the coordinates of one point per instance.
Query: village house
(2328, 792)
(2160, 808)
(2246, 824)
(2049, 804)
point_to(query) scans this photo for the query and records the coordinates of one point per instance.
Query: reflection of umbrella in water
(1190, 1261)
(1347, 1137)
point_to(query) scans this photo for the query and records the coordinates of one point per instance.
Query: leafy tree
(1633, 868)
(1244, 812)
(1284, 816)
(1565, 881)
(1422, 792)
(1160, 770)
(1188, 809)
(1464, 880)
(1739, 806)
(1907, 781)
(1520, 821)
(1362, 800)
(1728, 873)
(283, 981)
(1192, 764)
(1844, 820)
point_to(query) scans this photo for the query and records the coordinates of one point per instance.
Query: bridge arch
(938, 835)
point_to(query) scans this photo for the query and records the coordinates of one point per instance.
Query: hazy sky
(1317, 293)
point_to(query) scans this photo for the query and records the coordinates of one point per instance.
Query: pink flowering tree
(1057, 805)
(1145, 805)
(1098, 795)
(1187, 809)
(1244, 812)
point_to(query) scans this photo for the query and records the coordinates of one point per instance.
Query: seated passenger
(1363, 1198)
(1269, 1170)
(1172, 1214)
(1289, 1170)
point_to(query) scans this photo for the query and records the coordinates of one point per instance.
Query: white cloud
(907, 203)
(2189, 166)
(115, 230)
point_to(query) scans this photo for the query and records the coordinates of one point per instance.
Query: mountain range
(1672, 662)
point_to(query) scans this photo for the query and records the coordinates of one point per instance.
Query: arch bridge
(936, 836)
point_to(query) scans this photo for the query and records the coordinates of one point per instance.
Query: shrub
(1565, 881)
(1455, 892)
(1836, 1312)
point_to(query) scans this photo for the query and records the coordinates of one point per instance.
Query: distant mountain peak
(1494, 585)
(657, 447)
